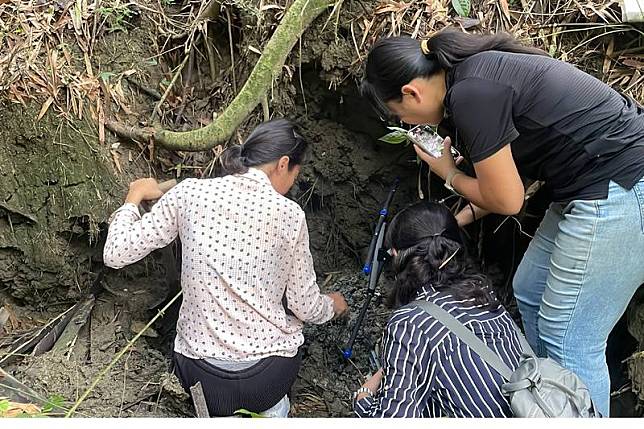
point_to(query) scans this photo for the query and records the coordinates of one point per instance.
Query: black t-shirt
(566, 127)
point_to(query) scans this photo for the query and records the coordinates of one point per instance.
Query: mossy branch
(298, 17)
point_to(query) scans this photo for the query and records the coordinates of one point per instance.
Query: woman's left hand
(144, 190)
(372, 383)
(443, 165)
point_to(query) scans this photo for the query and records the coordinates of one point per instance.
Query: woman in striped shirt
(428, 371)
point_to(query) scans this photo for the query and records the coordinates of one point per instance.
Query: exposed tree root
(297, 19)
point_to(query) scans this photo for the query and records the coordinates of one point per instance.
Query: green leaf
(105, 76)
(4, 406)
(245, 413)
(396, 137)
(462, 7)
(54, 401)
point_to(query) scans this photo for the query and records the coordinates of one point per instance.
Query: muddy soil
(140, 385)
(327, 380)
(55, 187)
(342, 190)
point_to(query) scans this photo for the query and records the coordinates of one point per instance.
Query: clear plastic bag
(429, 141)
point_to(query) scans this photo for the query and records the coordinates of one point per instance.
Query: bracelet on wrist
(450, 178)
(363, 389)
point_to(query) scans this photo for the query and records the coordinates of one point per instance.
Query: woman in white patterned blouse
(247, 275)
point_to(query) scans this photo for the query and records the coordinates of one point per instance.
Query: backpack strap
(465, 335)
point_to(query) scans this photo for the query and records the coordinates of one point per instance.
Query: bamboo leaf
(505, 8)
(462, 7)
(45, 107)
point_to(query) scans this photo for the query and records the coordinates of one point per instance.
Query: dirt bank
(55, 188)
(139, 385)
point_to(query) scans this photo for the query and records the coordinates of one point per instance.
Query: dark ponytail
(449, 47)
(232, 162)
(268, 142)
(393, 62)
(430, 251)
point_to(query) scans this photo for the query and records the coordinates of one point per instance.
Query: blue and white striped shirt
(429, 372)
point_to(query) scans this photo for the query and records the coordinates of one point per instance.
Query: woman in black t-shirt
(517, 112)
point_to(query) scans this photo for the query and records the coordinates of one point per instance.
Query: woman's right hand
(340, 306)
(442, 165)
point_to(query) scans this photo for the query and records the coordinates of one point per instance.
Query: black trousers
(255, 389)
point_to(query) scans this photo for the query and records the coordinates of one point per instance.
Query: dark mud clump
(349, 175)
(327, 380)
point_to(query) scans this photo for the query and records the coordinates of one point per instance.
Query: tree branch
(297, 19)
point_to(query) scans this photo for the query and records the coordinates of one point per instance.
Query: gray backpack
(539, 387)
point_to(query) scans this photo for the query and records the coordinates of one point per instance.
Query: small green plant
(106, 76)
(245, 413)
(462, 7)
(54, 402)
(424, 136)
(116, 16)
(396, 136)
(19, 410)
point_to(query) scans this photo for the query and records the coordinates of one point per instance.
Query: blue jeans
(576, 279)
